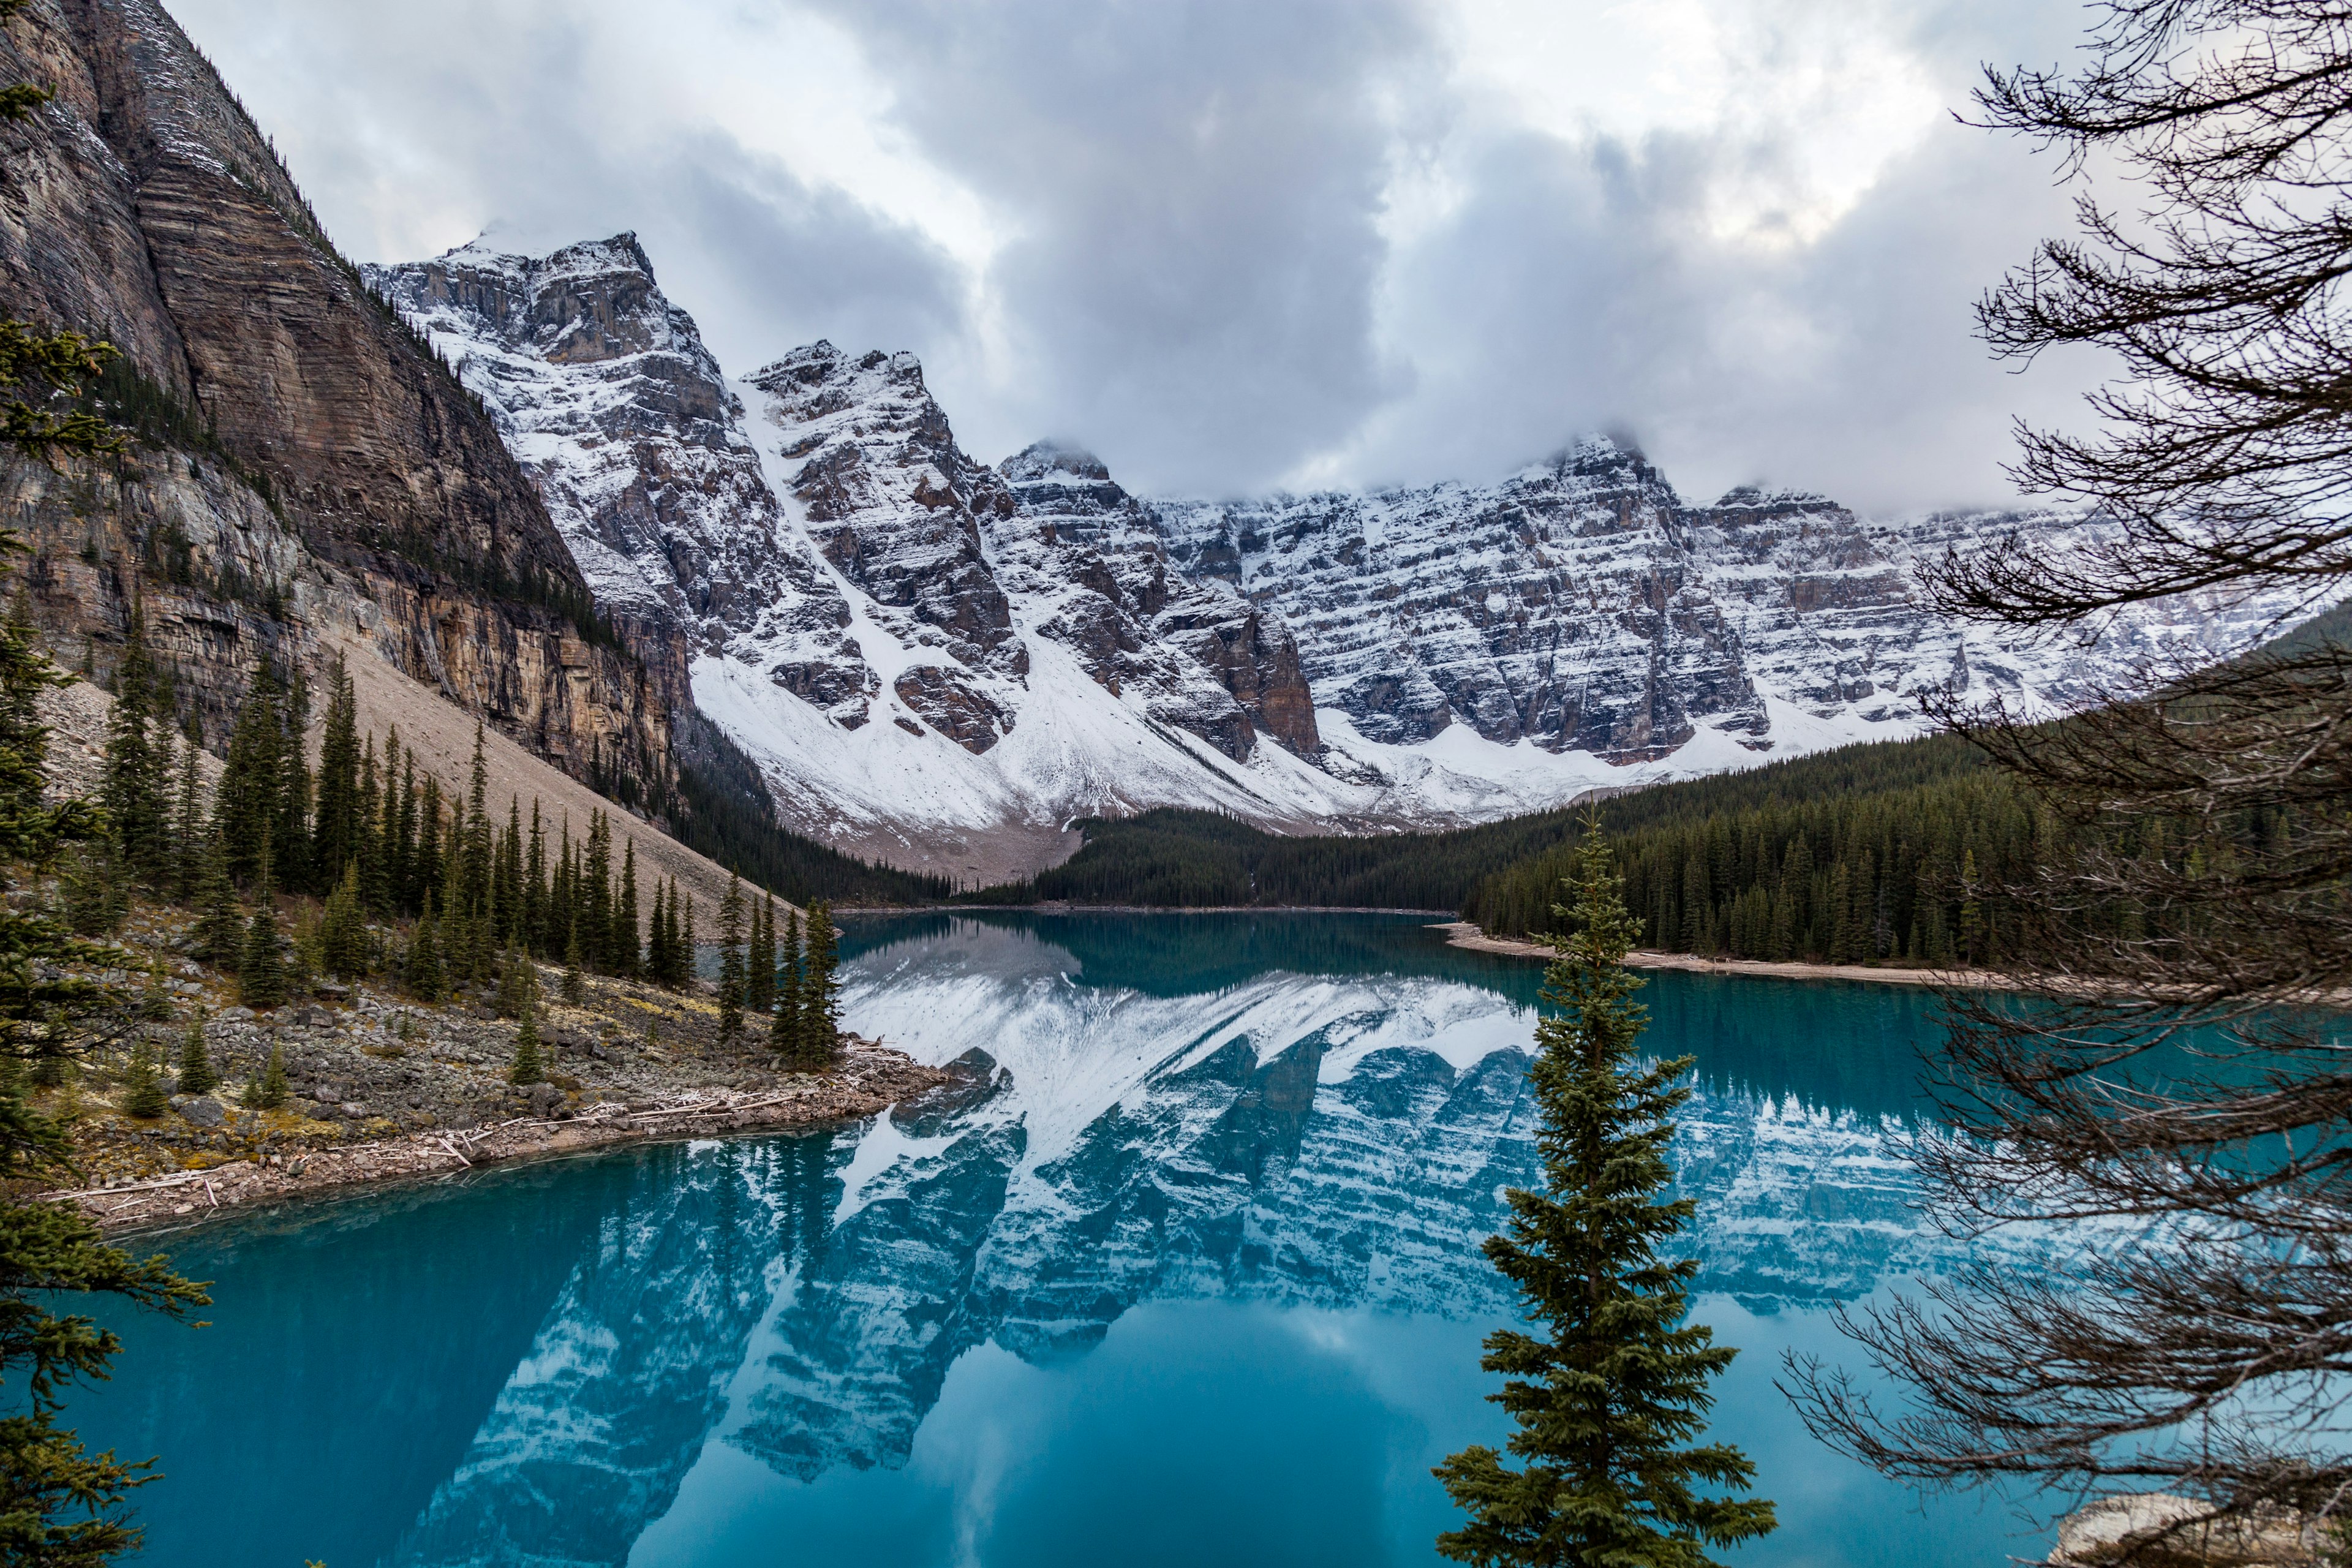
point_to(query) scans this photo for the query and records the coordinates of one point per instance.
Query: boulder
(200, 1109)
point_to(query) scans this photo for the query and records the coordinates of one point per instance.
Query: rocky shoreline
(1466, 934)
(869, 1080)
(376, 1086)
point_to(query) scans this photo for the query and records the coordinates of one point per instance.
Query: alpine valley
(941, 664)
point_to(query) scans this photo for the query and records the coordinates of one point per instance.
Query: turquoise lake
(1195, 1281)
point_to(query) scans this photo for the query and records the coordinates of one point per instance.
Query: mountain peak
(1756, 499)
(1043, 459)
(586, 257)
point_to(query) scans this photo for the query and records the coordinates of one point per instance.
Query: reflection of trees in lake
(1335, 1141)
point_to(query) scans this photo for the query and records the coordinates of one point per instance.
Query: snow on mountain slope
(1582, 607)
(942, 664)
(604, 391)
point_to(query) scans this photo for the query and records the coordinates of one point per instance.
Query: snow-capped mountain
(944, 663)
(1580, 607)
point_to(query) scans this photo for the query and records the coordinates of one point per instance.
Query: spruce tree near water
(261, 978)
(528, 1068)
(138, 762)
(731, 961)
(820, 991)
(188, 834)
(335, 835)
(197, 1074)
(267, 1089)
(142, 1087)
(759, 975)
(220, 923)
(1615, 1382)
(785, 1033)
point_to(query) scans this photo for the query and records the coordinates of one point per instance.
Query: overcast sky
(1230, 246)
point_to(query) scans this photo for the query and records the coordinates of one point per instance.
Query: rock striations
(344, 475)
(944, 663)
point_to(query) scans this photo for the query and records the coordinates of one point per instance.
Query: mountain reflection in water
(1197, 1250)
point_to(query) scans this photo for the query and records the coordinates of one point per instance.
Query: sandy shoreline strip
(1465, 935)
(868, 1082)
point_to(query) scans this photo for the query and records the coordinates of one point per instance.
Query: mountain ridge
(944, 663)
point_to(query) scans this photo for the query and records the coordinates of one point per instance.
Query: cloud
(1196, 195)
(1237, 243)
(767, 215)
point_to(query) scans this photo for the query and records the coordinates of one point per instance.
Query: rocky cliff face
(142, 206)
(1582, 606)
(924, 652)
(1560, 607)
(1093, 561)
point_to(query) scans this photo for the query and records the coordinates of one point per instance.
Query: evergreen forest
(389, 875)
(1894, 852)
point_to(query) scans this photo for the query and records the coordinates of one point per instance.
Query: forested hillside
(1173, 858)
(1886, 870)
(1188, 859)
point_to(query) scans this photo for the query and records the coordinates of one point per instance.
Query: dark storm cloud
(1583, 294)
(1198, 192)
(1224, 243)
(414, 129)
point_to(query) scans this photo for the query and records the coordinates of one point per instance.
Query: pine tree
(512, 966)
(624, 915)
(143, 1085)
(220, 924)
(400, 830)
(1844, 937)
(657, 958)
(423, 970)
(680, 940)
(594, 917)
(538, 935)
(65, 1505)
(507, 887)
(246, 803)
(786, 1032)
(136, 768)
(155, 1001)
(265, 1091)
(289, 845)
(261, 980)
(335, 838)
(1972, 942)
(574, 988)
(563, 893)
(425, 862)
(820, 990)
(196, 1075)
(368, 851)
(527, 1067)
(342, 934)
(189, 838)
(91, 889)
(760, 978)
(730, 962)
(1618, 1380)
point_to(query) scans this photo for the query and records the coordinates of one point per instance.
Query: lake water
(1197, 1282)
